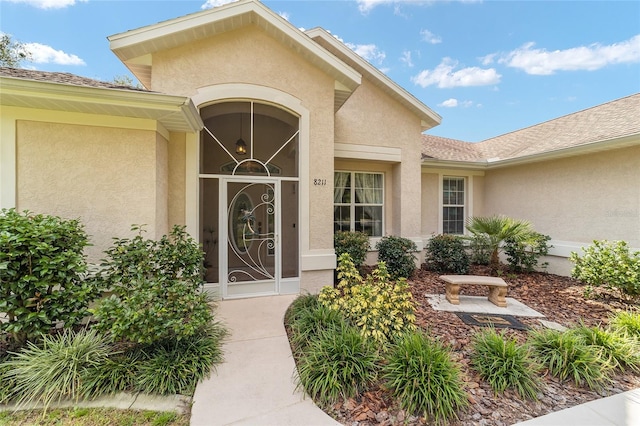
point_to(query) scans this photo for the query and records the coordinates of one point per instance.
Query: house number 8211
(319, 182)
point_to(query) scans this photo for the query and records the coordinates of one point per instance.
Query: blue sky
(487, 67)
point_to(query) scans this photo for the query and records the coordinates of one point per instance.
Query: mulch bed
(559, 298)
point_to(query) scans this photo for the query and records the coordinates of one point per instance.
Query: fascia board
(429, 117)
(156, 102)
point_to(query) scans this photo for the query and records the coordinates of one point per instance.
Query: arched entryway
(249, 198)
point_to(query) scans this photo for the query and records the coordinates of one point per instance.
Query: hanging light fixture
(241, 146)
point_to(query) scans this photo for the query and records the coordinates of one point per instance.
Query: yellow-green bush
(380, 307)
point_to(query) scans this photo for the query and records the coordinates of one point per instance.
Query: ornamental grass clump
(175, 366)
(423, 377)
(627, 323)
(59, 368)
(380, 307)
(504, 363)
(299, 306)
(619, 351)
(568, 357)
(310, 322)
(339, 362)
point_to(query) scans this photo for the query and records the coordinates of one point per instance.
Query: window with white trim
(358, 202)
(453, 205)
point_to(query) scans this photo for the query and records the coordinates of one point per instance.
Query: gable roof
(68, 92)
(611, 125)
(428, 116)
(135, 48)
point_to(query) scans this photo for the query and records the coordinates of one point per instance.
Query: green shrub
(446, 254)
(397, 254)
(504, 363)
(115, 374)
(421, 374)
(7, 384)
(525, 255)
(610, 264)
(380, 307)
(176, 366)
(59, 368)
(494, 230)
(156, 288)
(480, 247)
(311, 322)
(42, 270)
(618, 350)
(355, 243)
(340, 362)
(299, 306)
(567, 356)
(627, 323)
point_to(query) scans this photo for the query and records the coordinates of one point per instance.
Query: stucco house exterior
(576, 178)
(263, 140)
(243, 123)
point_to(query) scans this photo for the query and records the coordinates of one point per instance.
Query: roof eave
(429, 118)
(589, 148)
(175, 113)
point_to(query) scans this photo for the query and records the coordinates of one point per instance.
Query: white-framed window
(453, 205)
(358, 202)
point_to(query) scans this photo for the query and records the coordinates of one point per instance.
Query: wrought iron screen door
(252, 238)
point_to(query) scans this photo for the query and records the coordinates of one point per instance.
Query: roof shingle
(615, 119)
(62, 78)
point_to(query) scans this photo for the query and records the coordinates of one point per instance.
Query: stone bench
(497, 287)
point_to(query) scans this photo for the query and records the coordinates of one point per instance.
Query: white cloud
(445, 76)
(43, 54)
(48, 4)
(366, 5)
(489, 59)
(453, 103)
(406, 58)
(430, 37)
(370, 52)
(589, 58)
(210, 4)
(449, 103)
(285, 15)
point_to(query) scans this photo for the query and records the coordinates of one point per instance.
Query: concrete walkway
(622, 409)
(256, 383)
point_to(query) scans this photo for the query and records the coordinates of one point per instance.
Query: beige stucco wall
(430, 204)
(577, 199)
(431, 198)
(176, 179)
(105, 176)
(249, 56)
(372, 118)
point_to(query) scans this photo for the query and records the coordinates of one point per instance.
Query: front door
(249, 200)
(252, 247)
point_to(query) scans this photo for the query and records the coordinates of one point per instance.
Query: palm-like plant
(497, 229)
